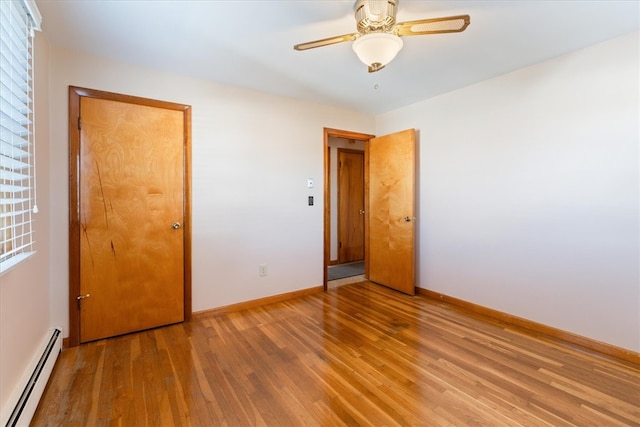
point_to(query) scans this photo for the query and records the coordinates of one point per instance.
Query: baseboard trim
(256, 303)
(242, 305)
(569, 337)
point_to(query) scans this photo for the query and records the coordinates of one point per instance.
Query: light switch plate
(309, 182)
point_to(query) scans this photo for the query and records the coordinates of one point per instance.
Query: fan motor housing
(375, 15)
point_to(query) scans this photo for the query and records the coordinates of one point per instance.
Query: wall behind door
(252, 155)
(529, 192)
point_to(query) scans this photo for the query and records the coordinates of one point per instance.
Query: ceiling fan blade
(448, 24)
(326, 42)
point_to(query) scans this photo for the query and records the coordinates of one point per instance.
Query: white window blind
(18, 20)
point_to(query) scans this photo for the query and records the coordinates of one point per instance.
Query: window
(18, 20)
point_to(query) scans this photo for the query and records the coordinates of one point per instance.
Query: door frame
(75, 94)
(338, 133)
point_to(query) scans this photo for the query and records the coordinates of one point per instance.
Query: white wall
(24, 290)
(529, 192)
(252, 155)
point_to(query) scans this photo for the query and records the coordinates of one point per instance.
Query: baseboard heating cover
(26, 399)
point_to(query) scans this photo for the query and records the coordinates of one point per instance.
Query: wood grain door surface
(131, 201)
(390, 166)
(350, 206)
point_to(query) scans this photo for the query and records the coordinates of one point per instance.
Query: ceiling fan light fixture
(377, 48)
(375, 15)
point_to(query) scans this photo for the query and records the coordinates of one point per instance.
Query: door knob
(175, 225)
(409, 218)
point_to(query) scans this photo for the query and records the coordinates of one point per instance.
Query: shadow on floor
(345, 270)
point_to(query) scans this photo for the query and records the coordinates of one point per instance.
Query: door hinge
(79, 298)
(79, 123)
(340, 245)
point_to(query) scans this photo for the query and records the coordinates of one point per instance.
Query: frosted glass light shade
(377, 48)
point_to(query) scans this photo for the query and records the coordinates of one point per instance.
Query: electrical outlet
(262, 270)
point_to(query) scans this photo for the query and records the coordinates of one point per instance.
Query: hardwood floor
(357, 355)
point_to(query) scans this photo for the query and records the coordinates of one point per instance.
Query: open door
(390, 212)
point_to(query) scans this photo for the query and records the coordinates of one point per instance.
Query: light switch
(310, 200)
(309, 182)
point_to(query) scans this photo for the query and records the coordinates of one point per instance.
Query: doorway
(389, 207)
(350, 206)
(129, 204)
(347, 241)
(344, 205)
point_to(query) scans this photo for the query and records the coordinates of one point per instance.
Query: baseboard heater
(27, 402)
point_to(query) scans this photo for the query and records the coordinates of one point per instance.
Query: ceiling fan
(378, 40)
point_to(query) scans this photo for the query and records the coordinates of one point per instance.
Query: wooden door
(390, 163)
(132, 216)
(350, 206)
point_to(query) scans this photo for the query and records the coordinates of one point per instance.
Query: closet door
(131, 197)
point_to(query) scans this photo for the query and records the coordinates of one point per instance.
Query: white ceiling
(250, 43)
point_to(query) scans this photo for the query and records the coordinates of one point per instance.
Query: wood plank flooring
(360, 354)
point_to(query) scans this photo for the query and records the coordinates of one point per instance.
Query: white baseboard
(20, 407)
